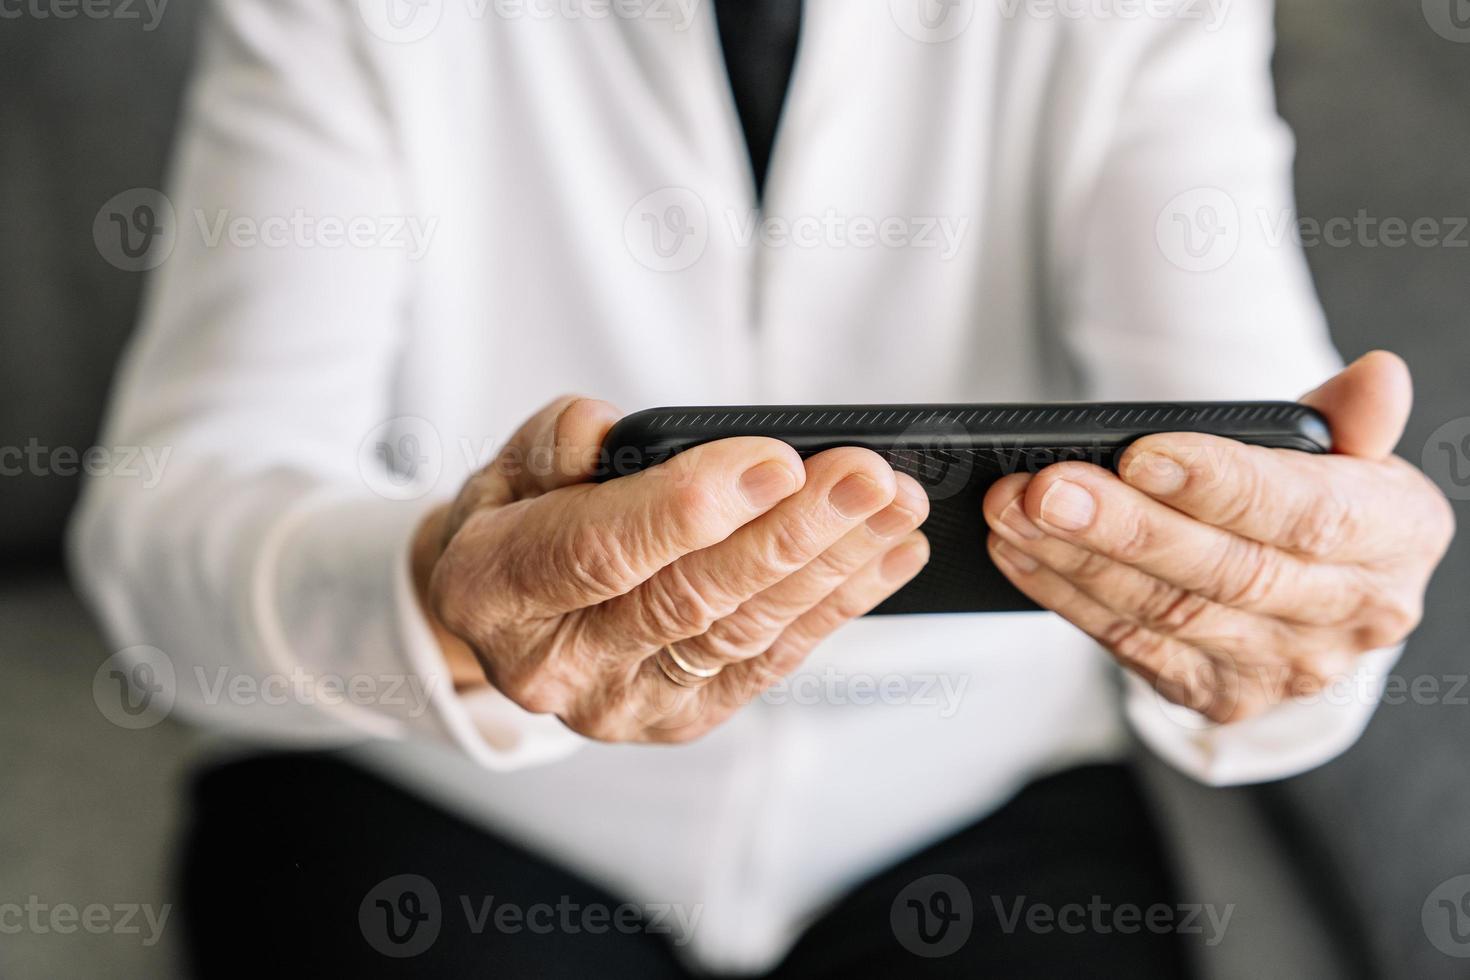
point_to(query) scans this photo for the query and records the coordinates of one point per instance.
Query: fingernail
(1015, 556)
(891, 521)
(905, 561)
(1068, 506)
(1015, 518)
(1155, 473)
(855, 496)
(766, 484)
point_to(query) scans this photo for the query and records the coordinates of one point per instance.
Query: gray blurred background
(1341, 860)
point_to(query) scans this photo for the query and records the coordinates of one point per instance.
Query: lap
(1055, 883)
(303, 864)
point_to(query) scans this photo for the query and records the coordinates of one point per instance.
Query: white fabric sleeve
(268, 556)
(1178, 277)
(1290, 738)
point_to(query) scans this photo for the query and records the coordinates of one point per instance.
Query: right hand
(565, 592)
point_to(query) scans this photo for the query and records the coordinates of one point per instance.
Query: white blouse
(395, 237)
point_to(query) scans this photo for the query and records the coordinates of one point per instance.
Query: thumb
(1366, 404)
(557, 446)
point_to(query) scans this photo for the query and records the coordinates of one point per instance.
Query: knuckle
(675, 607)
(749, 628)
(1213, 689)
(832, 567)
(841, 606)
(1351, 599)
(495, 571)
(1087, 565)
(727, 641)
(1321, 528)
(1194, 682)
(1172, 609)
(1133, 642)
(848, 604)
(1386, 623)
(469, 556)
(1247, 489)
(1135, 537)
(789, 545)
(767, 670)
(1246, 573)
(452, 607)
(534, 690)
(695, 516)
(595, 562)
(597, 724)
(791, 647)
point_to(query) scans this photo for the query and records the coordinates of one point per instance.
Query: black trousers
(304, 865)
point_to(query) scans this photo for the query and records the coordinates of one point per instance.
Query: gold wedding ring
(681, 672)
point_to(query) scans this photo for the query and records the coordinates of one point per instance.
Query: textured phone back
(956, 452)
(960, 575)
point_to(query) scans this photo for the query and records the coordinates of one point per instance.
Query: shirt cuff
(487, 726)
(1286, 740)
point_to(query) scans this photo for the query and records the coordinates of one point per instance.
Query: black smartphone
(956, 452)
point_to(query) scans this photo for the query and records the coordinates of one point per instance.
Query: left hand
(1232, 577)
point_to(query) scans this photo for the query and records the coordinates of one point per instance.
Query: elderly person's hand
(1231, 576)
(650, 608)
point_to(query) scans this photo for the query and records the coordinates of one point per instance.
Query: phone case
(956, 452)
